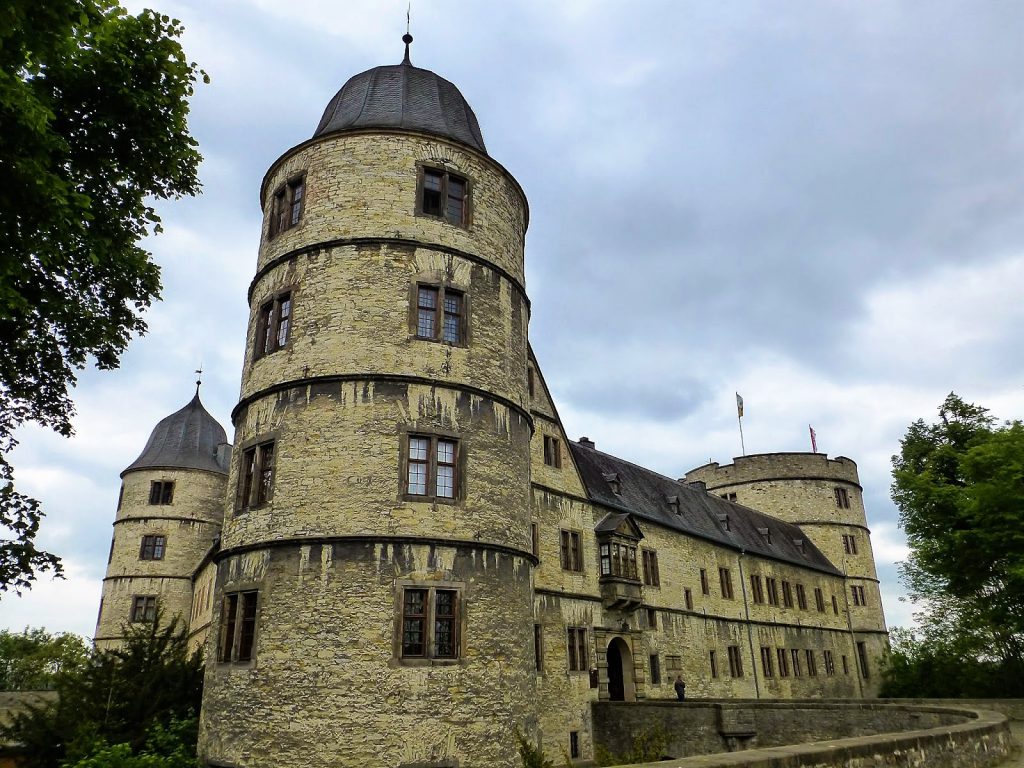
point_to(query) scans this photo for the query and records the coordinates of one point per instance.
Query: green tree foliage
(171, 747)
(94, 106)
(33, 660)
(118, 697)
(959, 487)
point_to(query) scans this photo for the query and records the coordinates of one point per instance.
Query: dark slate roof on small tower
(187, 439)
(402, 96)
(654, 497)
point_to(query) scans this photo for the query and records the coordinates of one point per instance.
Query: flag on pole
(739, 405)
(814, 439)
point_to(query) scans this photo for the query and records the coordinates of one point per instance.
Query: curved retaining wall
(758, 734)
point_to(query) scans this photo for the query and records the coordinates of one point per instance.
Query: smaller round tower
(824, 497)
(170, 510)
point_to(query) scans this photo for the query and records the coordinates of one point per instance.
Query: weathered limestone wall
(857, 734)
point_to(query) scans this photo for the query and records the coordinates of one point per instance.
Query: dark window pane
(245, 642)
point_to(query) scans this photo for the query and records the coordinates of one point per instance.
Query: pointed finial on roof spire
(407, 38)
(199, 378)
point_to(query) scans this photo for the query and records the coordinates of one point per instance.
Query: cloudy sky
(818, 205)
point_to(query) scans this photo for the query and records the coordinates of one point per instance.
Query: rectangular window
(725, 581)
(256, 476)
(846, 666)
(830, 663)
(688, 598)
(652, 618)
(673, 663)
(705, 588)
(819, 600)
(287, 206)
(651, 575)
(835, 605)
(273, 325)
(766, 662)
(801, 597)
(430, 623)
(440, 314)
(794, 656)
(858, 595)
(735, 661)
(756, 589)
(144, 608)
(655, 670)
(618, 559)
(574, 745)
(432, 467)
(812, 664)
(773, 591)
(152, 547)
(842, 498)
(787, 595)
(444, 195)
(862, 659)
(849, 544)
(577, 645)
(529, 380)
(571, 551)
(728, 496)
(552, 451)
(780, 654)
(161, 492)
(538, 646)
(713, 658)
(535, 539)
(237, 626)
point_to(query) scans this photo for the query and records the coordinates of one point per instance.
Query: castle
(402, 557)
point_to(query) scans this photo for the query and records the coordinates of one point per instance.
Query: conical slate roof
(402, 96)
(187, 439)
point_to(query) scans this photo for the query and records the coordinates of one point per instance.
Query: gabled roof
(648, 496)
(621, 523)
(187, 439)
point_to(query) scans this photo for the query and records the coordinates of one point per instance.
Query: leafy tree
(93, 104)
(33, 660)
(959, 487)
(119, 697)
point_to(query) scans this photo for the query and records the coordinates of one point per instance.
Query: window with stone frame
(705, 587)
(842, 498)
(713, 659)
(735, 661)
(655, 669)
(857, 592)
(651, 575)
(444, 195)
(783, 659)
(432, 467)
(725, 582)
(287, 205)
(152, 547)
(143, 609)
(849, 544)
(756, 589)
(688, 598)
(819, 600)
(256, 476)
(618, 558)
(830, 663)
(440, 314)
(862, 659)
(571, 550)
(273, 325)
(772, 587)
(576, 644)
(429, 623)
(673, 663)
(835, 605)
(552, 451)
(812, 664)
(801, 597)
(538, 647)
(161, 492)
(237, 636)
(766, 662)
(787, 595)
(794, 656)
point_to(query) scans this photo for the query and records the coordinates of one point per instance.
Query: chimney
(586, 442)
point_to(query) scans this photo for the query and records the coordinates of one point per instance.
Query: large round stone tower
(374, 580)
(824, 497)
(169, 513)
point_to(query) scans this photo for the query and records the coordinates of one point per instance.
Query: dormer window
(766, 535)
(801, 547)
(673, 504)
(612, 478)
(724, 520)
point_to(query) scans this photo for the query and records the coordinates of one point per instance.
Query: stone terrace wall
(882, 733)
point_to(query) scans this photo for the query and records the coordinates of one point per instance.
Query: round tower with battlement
(169, 515)
(374, 580)
(824, 497)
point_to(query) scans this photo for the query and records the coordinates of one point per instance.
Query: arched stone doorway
(620, 671)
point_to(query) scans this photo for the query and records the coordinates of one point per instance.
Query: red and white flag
(739, 405)
(814, 439)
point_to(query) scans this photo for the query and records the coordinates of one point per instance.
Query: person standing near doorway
(680, 687)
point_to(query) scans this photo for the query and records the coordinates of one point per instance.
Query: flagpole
(739, 419)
